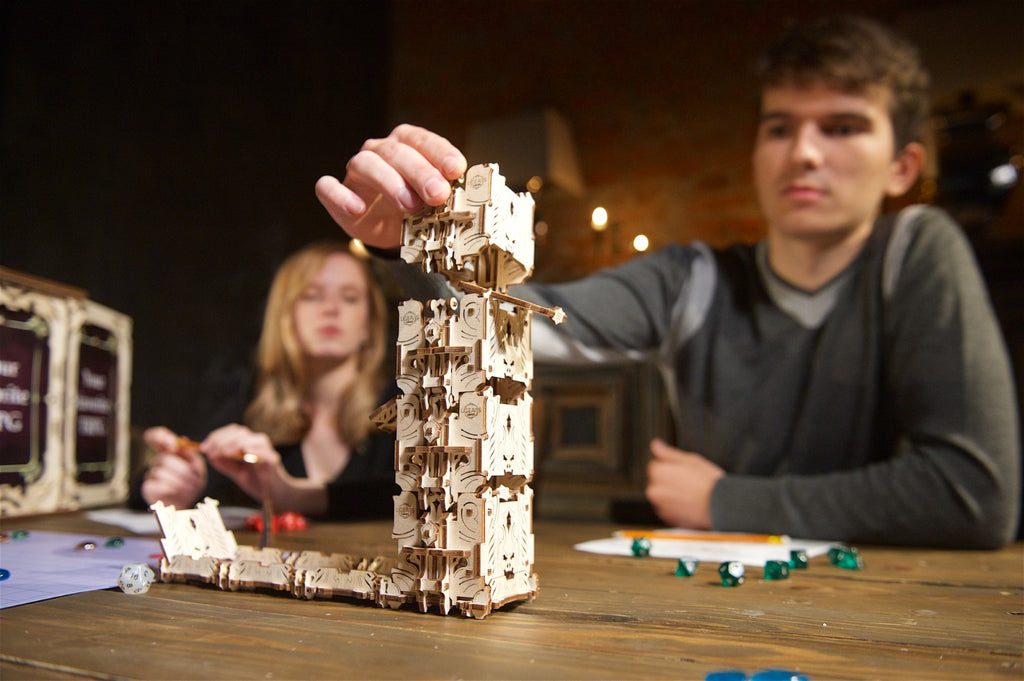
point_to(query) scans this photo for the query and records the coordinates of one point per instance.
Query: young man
(844, 378)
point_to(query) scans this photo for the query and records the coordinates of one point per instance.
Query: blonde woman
(307, 427)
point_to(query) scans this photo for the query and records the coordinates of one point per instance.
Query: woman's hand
(177, 475)
(249, 458)
(388, 178)
(245, 456)
(679, 486)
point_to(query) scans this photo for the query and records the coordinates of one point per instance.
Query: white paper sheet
(746, 552)
(47, 564)
(144, 522)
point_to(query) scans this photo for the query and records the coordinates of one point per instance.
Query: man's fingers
(423, 180)
(342, 203)
(660, 475)
(410, 167)
(426, 161)
(664, 451)
(388, 178)
(437, 150)
(393, 170)
(657, 493)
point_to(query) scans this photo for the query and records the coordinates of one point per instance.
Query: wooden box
(65, 374)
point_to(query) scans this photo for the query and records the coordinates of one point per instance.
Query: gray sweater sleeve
(635, 311)
(626, 308)
(953, 479)
(625, 311)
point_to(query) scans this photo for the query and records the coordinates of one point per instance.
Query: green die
(798, 560)
(776, 569)
(114, 543)
(19, 534)
(846, 557)
(686, 567)
(641, 547)
(731, 573)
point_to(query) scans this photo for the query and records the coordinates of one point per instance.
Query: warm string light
(599, 223)
(358, 249)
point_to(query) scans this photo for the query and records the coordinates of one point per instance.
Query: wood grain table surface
(910, 614)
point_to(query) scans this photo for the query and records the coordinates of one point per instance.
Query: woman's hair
(283, 373)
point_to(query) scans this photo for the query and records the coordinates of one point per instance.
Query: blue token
(726, 675)
(4, 574)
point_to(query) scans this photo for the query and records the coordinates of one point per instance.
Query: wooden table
(915, 614)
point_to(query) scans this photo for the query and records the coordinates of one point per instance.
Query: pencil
(189, 443)
(710, 536)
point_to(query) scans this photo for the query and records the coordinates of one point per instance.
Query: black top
(362, 491)
(365, 487)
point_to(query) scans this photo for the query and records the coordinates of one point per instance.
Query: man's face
(823, 160)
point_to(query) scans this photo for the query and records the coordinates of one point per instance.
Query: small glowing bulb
(358, 249)
(541, 228)
(534, 184)
(599, 219)
(641, 243)
(1003, 176)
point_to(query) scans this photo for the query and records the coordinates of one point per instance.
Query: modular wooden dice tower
(463, 436)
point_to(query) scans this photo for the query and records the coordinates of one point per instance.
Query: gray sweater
(879, 408)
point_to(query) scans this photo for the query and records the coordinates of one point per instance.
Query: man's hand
(388, 178)
(679, 486)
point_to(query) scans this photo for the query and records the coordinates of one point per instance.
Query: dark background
(162, 156)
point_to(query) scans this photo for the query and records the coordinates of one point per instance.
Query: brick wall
(659, 95)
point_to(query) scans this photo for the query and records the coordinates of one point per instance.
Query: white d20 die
(135, 578)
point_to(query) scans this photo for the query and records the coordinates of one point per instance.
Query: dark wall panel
(163, 155)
